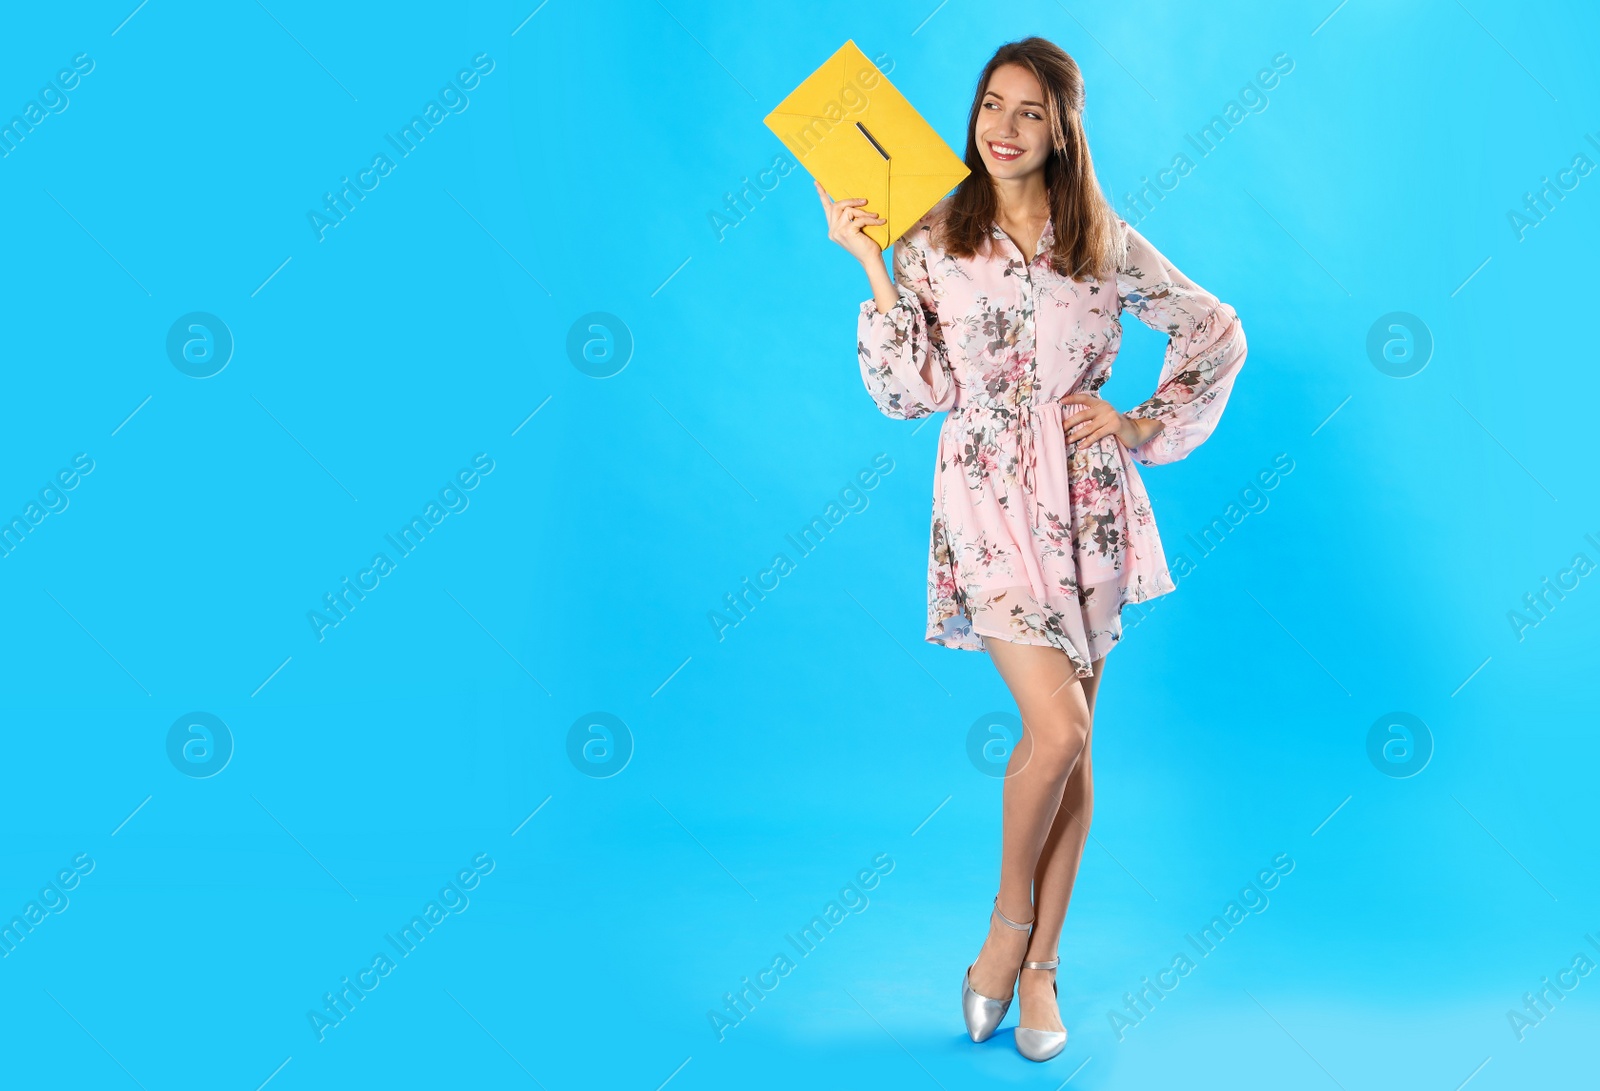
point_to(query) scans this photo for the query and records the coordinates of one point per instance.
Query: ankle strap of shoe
(1007, 921)
(1052, 964)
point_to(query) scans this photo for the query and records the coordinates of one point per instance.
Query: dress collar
(1047, 237)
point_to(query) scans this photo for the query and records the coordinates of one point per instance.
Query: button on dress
(1033, 543)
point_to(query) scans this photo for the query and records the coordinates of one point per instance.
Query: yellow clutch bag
(859, 137)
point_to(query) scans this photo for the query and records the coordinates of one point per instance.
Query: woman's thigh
(1044, 683)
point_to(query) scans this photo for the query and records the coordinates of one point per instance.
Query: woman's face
(1012, 129)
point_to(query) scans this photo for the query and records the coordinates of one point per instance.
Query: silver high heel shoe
(1041, 1045)
(983, 1013)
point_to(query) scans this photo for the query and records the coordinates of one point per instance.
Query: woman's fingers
(837, 211)
(843, 211)
(847, 221)
(843, 202)
(1092, 437)
(1092, 424)
(1080, 422)
(856, 214)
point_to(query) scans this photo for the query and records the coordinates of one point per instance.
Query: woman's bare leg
(1055, 730)
(1054, 877)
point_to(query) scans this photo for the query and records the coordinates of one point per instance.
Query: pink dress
(1033, 543)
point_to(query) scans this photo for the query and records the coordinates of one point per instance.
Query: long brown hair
(1088, 241)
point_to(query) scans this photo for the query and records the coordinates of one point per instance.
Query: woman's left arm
(1205, 350)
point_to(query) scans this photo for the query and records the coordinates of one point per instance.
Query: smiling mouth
(1005, 152)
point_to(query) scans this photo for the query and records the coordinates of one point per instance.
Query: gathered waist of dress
(986, 407)
(1019, 438)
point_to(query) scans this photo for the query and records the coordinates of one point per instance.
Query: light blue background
(767, 768)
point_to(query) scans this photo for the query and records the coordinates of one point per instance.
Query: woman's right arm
(899, 343)
(884, 293)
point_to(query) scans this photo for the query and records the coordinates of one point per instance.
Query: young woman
(1007, 316)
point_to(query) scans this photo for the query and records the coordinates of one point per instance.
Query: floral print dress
(1032, 542)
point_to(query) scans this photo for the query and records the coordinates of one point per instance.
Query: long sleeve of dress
(902, 353)
(1205, 350)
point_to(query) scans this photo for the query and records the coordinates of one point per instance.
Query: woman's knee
(1058, 746)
